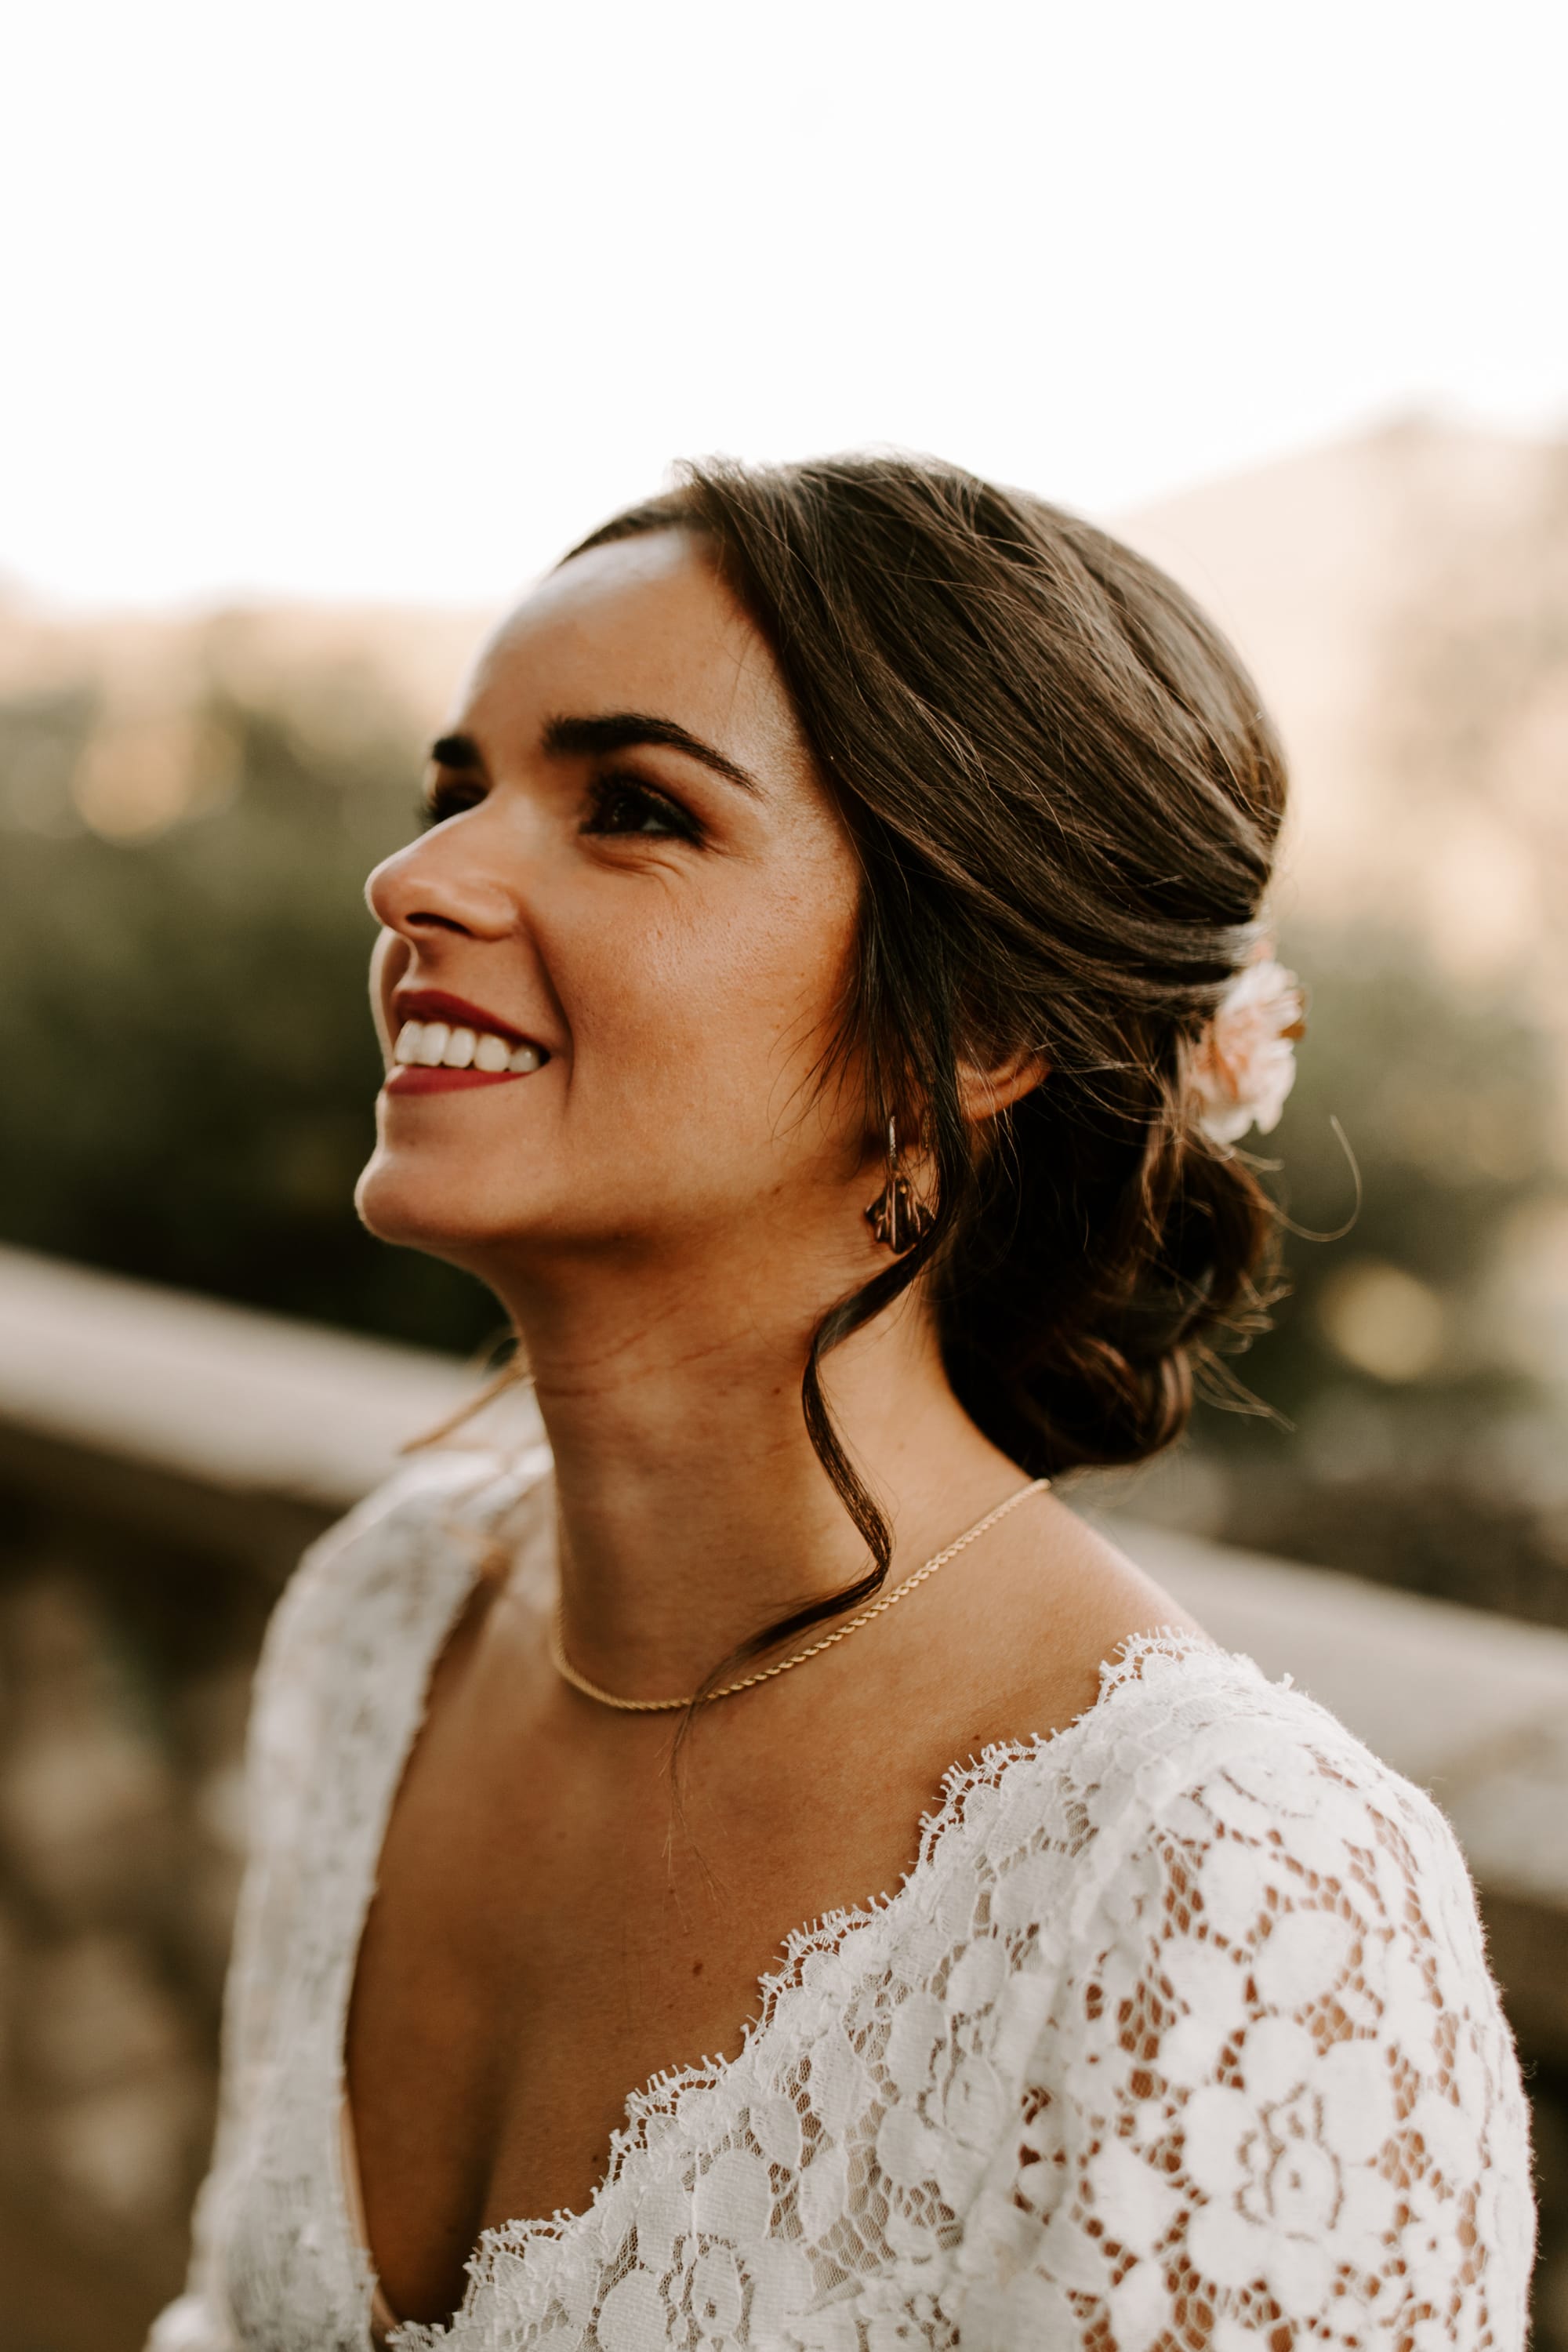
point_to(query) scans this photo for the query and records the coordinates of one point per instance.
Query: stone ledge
(223, 1397)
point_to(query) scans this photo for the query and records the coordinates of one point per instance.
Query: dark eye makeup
(617, 804)
(624, 803)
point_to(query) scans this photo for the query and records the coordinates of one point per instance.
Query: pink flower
(1243, 1065)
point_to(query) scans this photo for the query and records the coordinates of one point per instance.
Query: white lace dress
(1179, 2034)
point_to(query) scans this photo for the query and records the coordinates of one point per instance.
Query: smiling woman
(823, 1007)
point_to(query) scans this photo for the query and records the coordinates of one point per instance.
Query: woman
(767, 1836)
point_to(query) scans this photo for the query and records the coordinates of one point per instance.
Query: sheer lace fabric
(1178, 2034)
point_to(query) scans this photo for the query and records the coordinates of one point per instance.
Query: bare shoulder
(1091, 1578)
(1062, 1599)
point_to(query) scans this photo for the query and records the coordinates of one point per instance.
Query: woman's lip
(411, 1078)
(436, 1004)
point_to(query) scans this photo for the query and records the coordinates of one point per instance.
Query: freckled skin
(666, 1209)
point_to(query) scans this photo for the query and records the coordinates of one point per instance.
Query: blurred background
(330, 327)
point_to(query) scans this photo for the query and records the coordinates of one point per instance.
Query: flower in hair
(1243, 1063)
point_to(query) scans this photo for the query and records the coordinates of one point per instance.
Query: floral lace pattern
(1179, 2033)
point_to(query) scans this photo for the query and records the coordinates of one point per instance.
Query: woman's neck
(693, 1509)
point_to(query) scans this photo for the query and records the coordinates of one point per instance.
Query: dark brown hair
(1065, 801)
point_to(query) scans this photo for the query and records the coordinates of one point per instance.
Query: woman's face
(637, 880)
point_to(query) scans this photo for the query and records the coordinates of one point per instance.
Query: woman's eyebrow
(621, 730)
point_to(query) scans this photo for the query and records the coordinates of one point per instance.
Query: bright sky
(351, 296)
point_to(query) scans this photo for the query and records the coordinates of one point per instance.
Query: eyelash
(447, 796)
(443, 797)
(608, 790)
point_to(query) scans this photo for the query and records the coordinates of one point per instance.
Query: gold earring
(898, 1216)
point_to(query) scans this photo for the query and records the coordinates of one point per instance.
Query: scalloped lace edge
(658, 2099)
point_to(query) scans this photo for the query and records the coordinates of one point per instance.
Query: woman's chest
(836, 2153)
(541, 1944)
(501, 2019)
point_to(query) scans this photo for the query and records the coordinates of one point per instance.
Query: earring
(898, 1216)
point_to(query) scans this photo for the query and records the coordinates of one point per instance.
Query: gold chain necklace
(568, 1672)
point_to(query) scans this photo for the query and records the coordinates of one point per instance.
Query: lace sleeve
(307, 1633)
(1284, 2104)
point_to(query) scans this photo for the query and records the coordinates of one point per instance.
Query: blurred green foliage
(1411, 1393)
(1420, 1123)
(192, 1073)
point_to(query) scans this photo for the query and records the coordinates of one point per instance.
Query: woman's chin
(405, 1206)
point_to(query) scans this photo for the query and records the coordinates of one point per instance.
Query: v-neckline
(662, 2090)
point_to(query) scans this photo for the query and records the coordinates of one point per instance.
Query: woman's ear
(985, 1092)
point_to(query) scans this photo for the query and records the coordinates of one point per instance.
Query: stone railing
(162, 1459)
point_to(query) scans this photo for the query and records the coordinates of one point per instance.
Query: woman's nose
(435, 886)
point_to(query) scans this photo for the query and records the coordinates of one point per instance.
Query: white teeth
(433, 1044)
